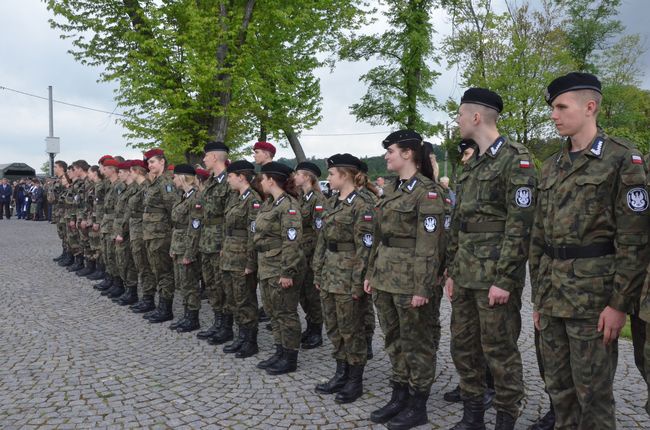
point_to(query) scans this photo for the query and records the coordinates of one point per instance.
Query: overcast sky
(32, 56)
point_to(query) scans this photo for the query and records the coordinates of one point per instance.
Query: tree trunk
(292, 137)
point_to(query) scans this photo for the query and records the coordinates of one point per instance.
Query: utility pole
(52, 144)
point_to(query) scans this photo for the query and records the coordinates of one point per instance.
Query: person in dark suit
(5, 198)
(37, 199)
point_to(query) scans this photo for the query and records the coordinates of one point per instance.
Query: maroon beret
(153, 153)
(266, 146)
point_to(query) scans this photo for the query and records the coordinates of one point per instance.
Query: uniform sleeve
(364, 226)
(428, 241)
(521, 190)
(170, 196)
(98, 210)
(193, 230)
(291, 231)
(452, 239)
(536, 247)
(251, 255)
(632, 223)
(319, 258)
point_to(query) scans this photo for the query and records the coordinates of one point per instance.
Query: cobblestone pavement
(72, 359)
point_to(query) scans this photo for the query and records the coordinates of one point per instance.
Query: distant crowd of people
(26, 199)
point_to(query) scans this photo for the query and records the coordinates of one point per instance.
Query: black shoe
(115, 286)
(164, 312)
(336, 382)
(272, 359)
(173, 326)
(314, 337)
(224, 334)
(212, 330)
(547, 422)
(353, 388)
(117, 290)
(235, 345)
(286, 364)
(473, 415)
(90, 268)
(453, 396)
(129, 297)
(98, 273)
(398, 401)
(262, 316)
(107, 282)
(505, 421)
(190, 323)
(369, 353)
(414, 415)
(60, 257)
(143, 306)
(68, 260)
(78, 264)
(249, 348)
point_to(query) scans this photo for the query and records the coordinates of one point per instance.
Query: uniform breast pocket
(593, 194)
(344, 227)
(489, 187)
(405, 217)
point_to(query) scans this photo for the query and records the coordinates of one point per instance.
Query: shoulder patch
(523, 197)
(256, 204)
(637, 159)
(169, 188)
(196, 223)
(430, 224)
(367, 216)
(637, 199)
(524, 164)
(292, 234)
(367, 240)
(432, 195)
(292, 211)
(318, 208)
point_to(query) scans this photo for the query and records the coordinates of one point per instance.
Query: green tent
(16, 171)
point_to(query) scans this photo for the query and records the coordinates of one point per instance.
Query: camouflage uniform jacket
(101, 188)
(77, 204)
(495, 189)
(187, 230)
(110, 201)
(70, 208)
(406, 253)
(311, 209)
(136, 209)
(160, 196)
(344, 243)
(600, 197)
(122, 211)
(277, 238)
(239, 227)
(210, 210)
(54, 198)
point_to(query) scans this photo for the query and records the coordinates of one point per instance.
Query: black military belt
(149, 210)
(482, 227)
(180, 226)
(213, 221)
(237, 232)
(340, 246)
(398, 242)
(571, 252)
(268, 246)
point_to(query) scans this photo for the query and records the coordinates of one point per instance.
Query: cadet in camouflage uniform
(238, 264)
(404, 261)
(100, 188)
(311, 209)
(122, 238)
(490, 233)
(53, 198)
(72, 233)
(160, 196)
(340, 264)
(146, 279)
(210, 209)
(184, 248)
(62, 224)
(94, 236)
(278, 231)
(589, 251)
(113, 281)
(80, 187)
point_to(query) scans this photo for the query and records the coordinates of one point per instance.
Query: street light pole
(52, 144)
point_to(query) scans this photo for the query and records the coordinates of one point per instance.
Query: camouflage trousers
(409, 339)
(61, 231)
(482, 335)
(283, 310)
(145, 276)
(84, 242)
(309, 298)
(125, 266)
(345, 328)
(242, 289)
(161, 266)
(638, 328)
(646, 351)
(186, 278)
(368, 317)
(72, 238)
(214, 286)
(434, 302)
(108, 252)
(95, 241)
(579, 373)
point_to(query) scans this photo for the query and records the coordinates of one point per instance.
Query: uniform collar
(409, 185)
(245, 194)
(349, 199)
(221, 177)
(189, 193)
(280, 199)
(308, 196)
(595, 150)
(494, 149)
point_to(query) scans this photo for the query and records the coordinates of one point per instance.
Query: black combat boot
(129, 297)
(547, 422)
(117, 290)
(314, 337)
(249, 348)
(174, 325)
(414, 415)
(353, 388)
(146, 304)
(336, 382)
(90, 268)
(190, 323)
(66, 261)
(262, 316)
(212, 330)
(505, 421)
(60, 257)
(116, 298)
(98, 273)
(398, 402)
(473, 415)
(164, 313)
(272, 359)
(369, 353)
(235, 345)
(286, 364)
(78, 263)
(453, 396)
(106, 283)
(224, 334)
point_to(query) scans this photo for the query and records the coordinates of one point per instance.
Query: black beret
(484, 97)
(405, 138)
(215, 146)
(184, 169)
(344, 160)
(429, 146)
(276, 168)
(364, 167)
(571, 82)
(466, 144)
(240, 166)
(306, 165)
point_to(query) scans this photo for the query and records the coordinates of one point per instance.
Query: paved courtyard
(70, 358)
